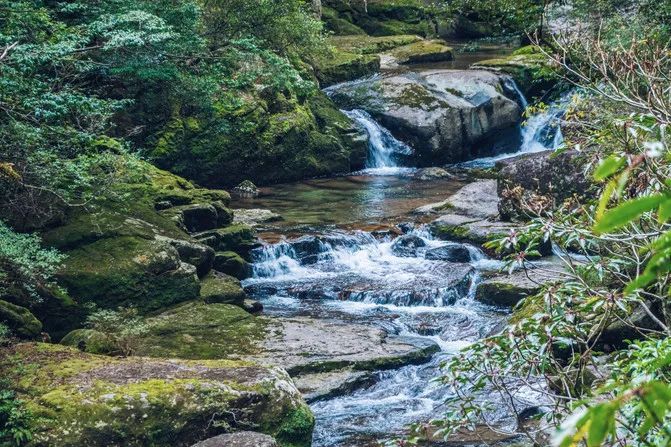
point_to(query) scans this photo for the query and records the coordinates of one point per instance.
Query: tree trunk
(317, 8)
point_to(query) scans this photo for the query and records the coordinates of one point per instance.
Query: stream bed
(350, 249)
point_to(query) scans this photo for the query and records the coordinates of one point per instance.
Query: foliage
(24, 264)
(571, 345)
(123, 328)
(15, 419)
(5, 334)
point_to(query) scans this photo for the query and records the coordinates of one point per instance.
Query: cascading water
(540, 132)
(405, 289)
(383, 148)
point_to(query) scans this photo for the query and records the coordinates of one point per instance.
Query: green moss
(19, 320)
(203, 331)
(82, 399)
(370, 44)
(416, 96)
(128, 271)
(296, 428)
(89, 340)
(423, 51)
(231, 263)
(221, 288)
(500, 293)
(527, 308)
(339, 66)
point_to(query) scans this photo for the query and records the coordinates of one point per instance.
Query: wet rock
(407, 245)
(304, 345)
(421, 52)
(255, 216)
(231, 263)
(252, 306)
(132, 398)
(326, 385)
(240, 439)
(450, 253)
(508, 290)
(432, 174)
(246, 189)
(19, 320)
(456, 227)
(442, 114)
(531, 185)
(477, 199)
(220, 288)
(199, 255)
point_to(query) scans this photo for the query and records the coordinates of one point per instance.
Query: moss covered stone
(203, 331)
(271, 137)
(233, 264)
(422, 51)
(380, 18)
(83, 399)
(529, 67)
(339, 66)
(89, 340)
(129, 271)
(20, 320)
(221, 288)
(370, 44)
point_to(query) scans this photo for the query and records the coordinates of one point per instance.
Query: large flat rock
(304, 345)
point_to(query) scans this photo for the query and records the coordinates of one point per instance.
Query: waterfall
(510, 85)
(383, 148)
(541, 132)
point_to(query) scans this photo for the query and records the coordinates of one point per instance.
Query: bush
(123, 328)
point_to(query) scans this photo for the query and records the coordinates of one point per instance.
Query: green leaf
(605, 198)
(664, 213)
(626, 212)
(601, 421)
(640, 282)
(608, 167)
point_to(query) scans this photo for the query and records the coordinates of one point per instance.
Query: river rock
(240, 439)
(199, 255)
(19, 320)
(450, 253)
(84, 399)
(510, 289)
(220, 288)
(407, 245)
(254, 217)
(246, 189)
(533, 184)
(233, 264)
(419, 52)
(320, 386)
(442, 114)
(304, 345)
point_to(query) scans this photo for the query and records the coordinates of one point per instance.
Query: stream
(333, 256)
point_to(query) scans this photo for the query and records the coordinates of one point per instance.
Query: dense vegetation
(218, 91)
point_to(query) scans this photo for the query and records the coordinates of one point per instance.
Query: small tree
(123, 328)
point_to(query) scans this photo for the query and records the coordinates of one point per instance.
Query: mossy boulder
(89, 340)
(371, 44)
(339, 66)
(421, 52)
(129, 271)
(197, 330)
(233, 264)
(221, 288)
(19, 320)
(237, 237)
(84, 399)
(270, 137)
(529, 67)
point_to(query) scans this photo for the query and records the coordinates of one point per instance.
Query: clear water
(328, 259)
(356, 277)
